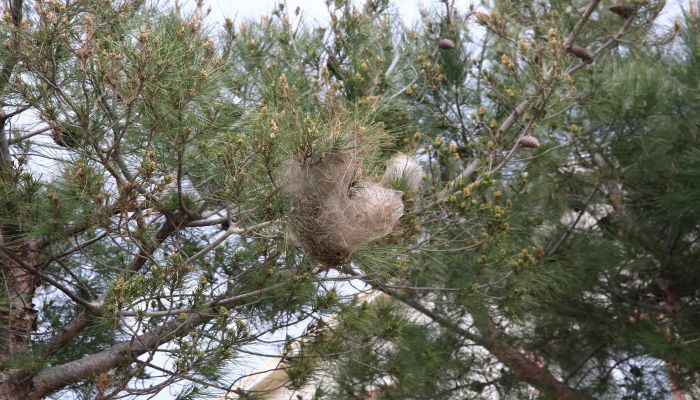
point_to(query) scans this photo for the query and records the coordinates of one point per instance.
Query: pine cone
(529, 142)
(446, 44)
(580, 52)
(623, 10)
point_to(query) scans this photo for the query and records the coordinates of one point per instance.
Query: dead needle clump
(482, 18)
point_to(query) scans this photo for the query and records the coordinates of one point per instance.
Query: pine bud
(623, 10)
(529, 142)
(580, 52)
(446, 44)
(482, 18)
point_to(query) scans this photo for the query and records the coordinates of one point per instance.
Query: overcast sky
(316, 11)
(313, 10)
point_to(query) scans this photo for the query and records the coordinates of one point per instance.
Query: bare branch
(394, 63)
(29, 135)
(47, 279)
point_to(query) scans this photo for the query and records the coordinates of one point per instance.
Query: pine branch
(496, 342)
(124, 353)
(225, 301)
(46, 278)
(74, 328)
(581, 22)
(55, 378)
(8, 65)
(29, 135)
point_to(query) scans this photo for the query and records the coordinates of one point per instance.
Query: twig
(48, 279)
(29, 135)
(210, 305)
(581, 22)
(394, 63)
(232, 230)
(566, 234)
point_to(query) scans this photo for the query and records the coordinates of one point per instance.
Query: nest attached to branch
(403, 171)
(334, 214)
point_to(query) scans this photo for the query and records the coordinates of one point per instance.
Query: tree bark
(17, 313)
(525, 367)
(14, 8)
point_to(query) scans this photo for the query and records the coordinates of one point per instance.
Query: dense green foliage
(583, 257)
(550, 252)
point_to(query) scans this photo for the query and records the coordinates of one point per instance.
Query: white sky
(315, 11)
(312, 10)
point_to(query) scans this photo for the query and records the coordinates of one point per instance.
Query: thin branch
(581, 22)
(210, 305)
(73, 328)
(612, 40)
(48, 279)
(566, 234)
(445, 193)
(394, 63)
(29, 135)
(232, 230)
(77, 247)
(18, 111)
(123, 353)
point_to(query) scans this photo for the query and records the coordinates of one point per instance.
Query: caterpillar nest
(333, 214)
(404, 171)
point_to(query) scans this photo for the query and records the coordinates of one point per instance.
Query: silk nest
(335, 213)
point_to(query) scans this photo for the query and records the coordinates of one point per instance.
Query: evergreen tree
(176, 194)
(570, 272)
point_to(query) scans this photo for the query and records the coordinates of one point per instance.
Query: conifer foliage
(516, 182)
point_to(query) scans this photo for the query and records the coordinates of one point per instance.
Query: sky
(312, 10)
(315, 11)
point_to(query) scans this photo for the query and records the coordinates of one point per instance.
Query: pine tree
(571, 271)
(143, 237)
(175, 194)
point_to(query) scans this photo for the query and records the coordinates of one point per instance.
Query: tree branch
(581, 22)
(57, 377)
(29, 135)
(46, 278)
(496, 342)
(81, 320)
